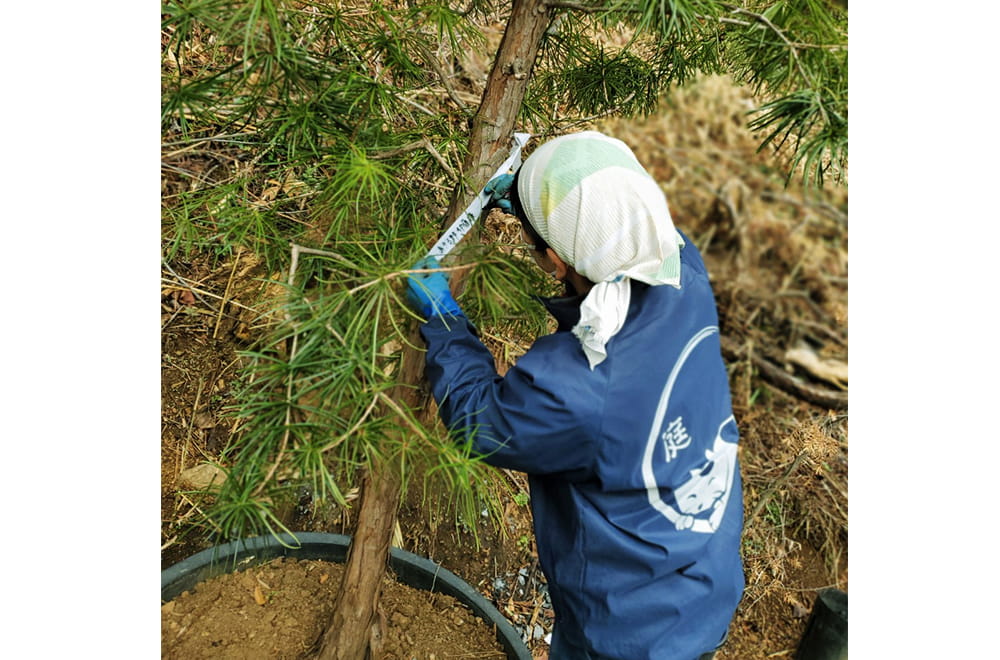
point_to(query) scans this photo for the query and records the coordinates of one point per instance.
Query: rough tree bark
(351, 634)
(351, 631)
(493, 124)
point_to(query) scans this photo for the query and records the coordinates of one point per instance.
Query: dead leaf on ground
(258, 595)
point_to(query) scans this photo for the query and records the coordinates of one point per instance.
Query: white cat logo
(708, 487)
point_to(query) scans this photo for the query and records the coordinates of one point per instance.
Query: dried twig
(783, 380)
(225, 295)
(775, 487)
(188, 285)
(187, 439)
(448, 87)
(418, 106)
(824, 330)
(826, 208)
(412, 146)
(196, 291)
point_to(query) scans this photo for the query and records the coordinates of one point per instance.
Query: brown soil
(778, 262)
(279, 609)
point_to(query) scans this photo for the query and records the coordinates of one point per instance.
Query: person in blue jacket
(622, 418)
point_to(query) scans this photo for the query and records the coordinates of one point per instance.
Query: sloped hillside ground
(778, 260)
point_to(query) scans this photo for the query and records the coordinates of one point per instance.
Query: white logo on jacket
(700, 502)
(675, 438)
(709, 486)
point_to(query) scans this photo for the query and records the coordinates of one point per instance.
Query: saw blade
(470, 215)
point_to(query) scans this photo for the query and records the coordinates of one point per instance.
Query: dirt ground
(778, 259)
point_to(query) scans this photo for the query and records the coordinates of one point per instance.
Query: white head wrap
(587, 195)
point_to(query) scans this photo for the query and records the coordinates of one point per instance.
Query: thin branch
(402, 414)
(208, 138)
(301, 249)
(448, 87)
(188, 285)
(764, 20)
(576, 6)
(350, 431)
(558, 130)
(296, 249)
(759, 18)
(734, 21)
(413, 146)
(225, 295)
(196, 508)
(389, 153)
(393, 275)
(418, 106)
(197, 291)
(440, 159)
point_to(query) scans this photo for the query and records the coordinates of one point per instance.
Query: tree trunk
(347, 637)
(493, 125)
(351, 634)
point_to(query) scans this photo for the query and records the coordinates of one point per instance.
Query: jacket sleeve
(541, 417)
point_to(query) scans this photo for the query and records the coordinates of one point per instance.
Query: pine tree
(342, 130)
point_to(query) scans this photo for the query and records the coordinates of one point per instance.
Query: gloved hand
(428, 293)
(499, 190)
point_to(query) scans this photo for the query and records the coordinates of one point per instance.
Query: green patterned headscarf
(587, 195)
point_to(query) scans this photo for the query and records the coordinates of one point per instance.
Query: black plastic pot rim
(410, 569)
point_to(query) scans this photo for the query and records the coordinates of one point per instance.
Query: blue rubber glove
(499, 190)
(428, 293)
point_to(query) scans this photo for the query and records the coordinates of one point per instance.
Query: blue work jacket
(635, 485)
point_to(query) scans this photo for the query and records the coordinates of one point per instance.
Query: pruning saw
(458, 229)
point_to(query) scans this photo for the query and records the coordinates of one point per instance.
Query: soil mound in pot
(278, 610)
(271, 598)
